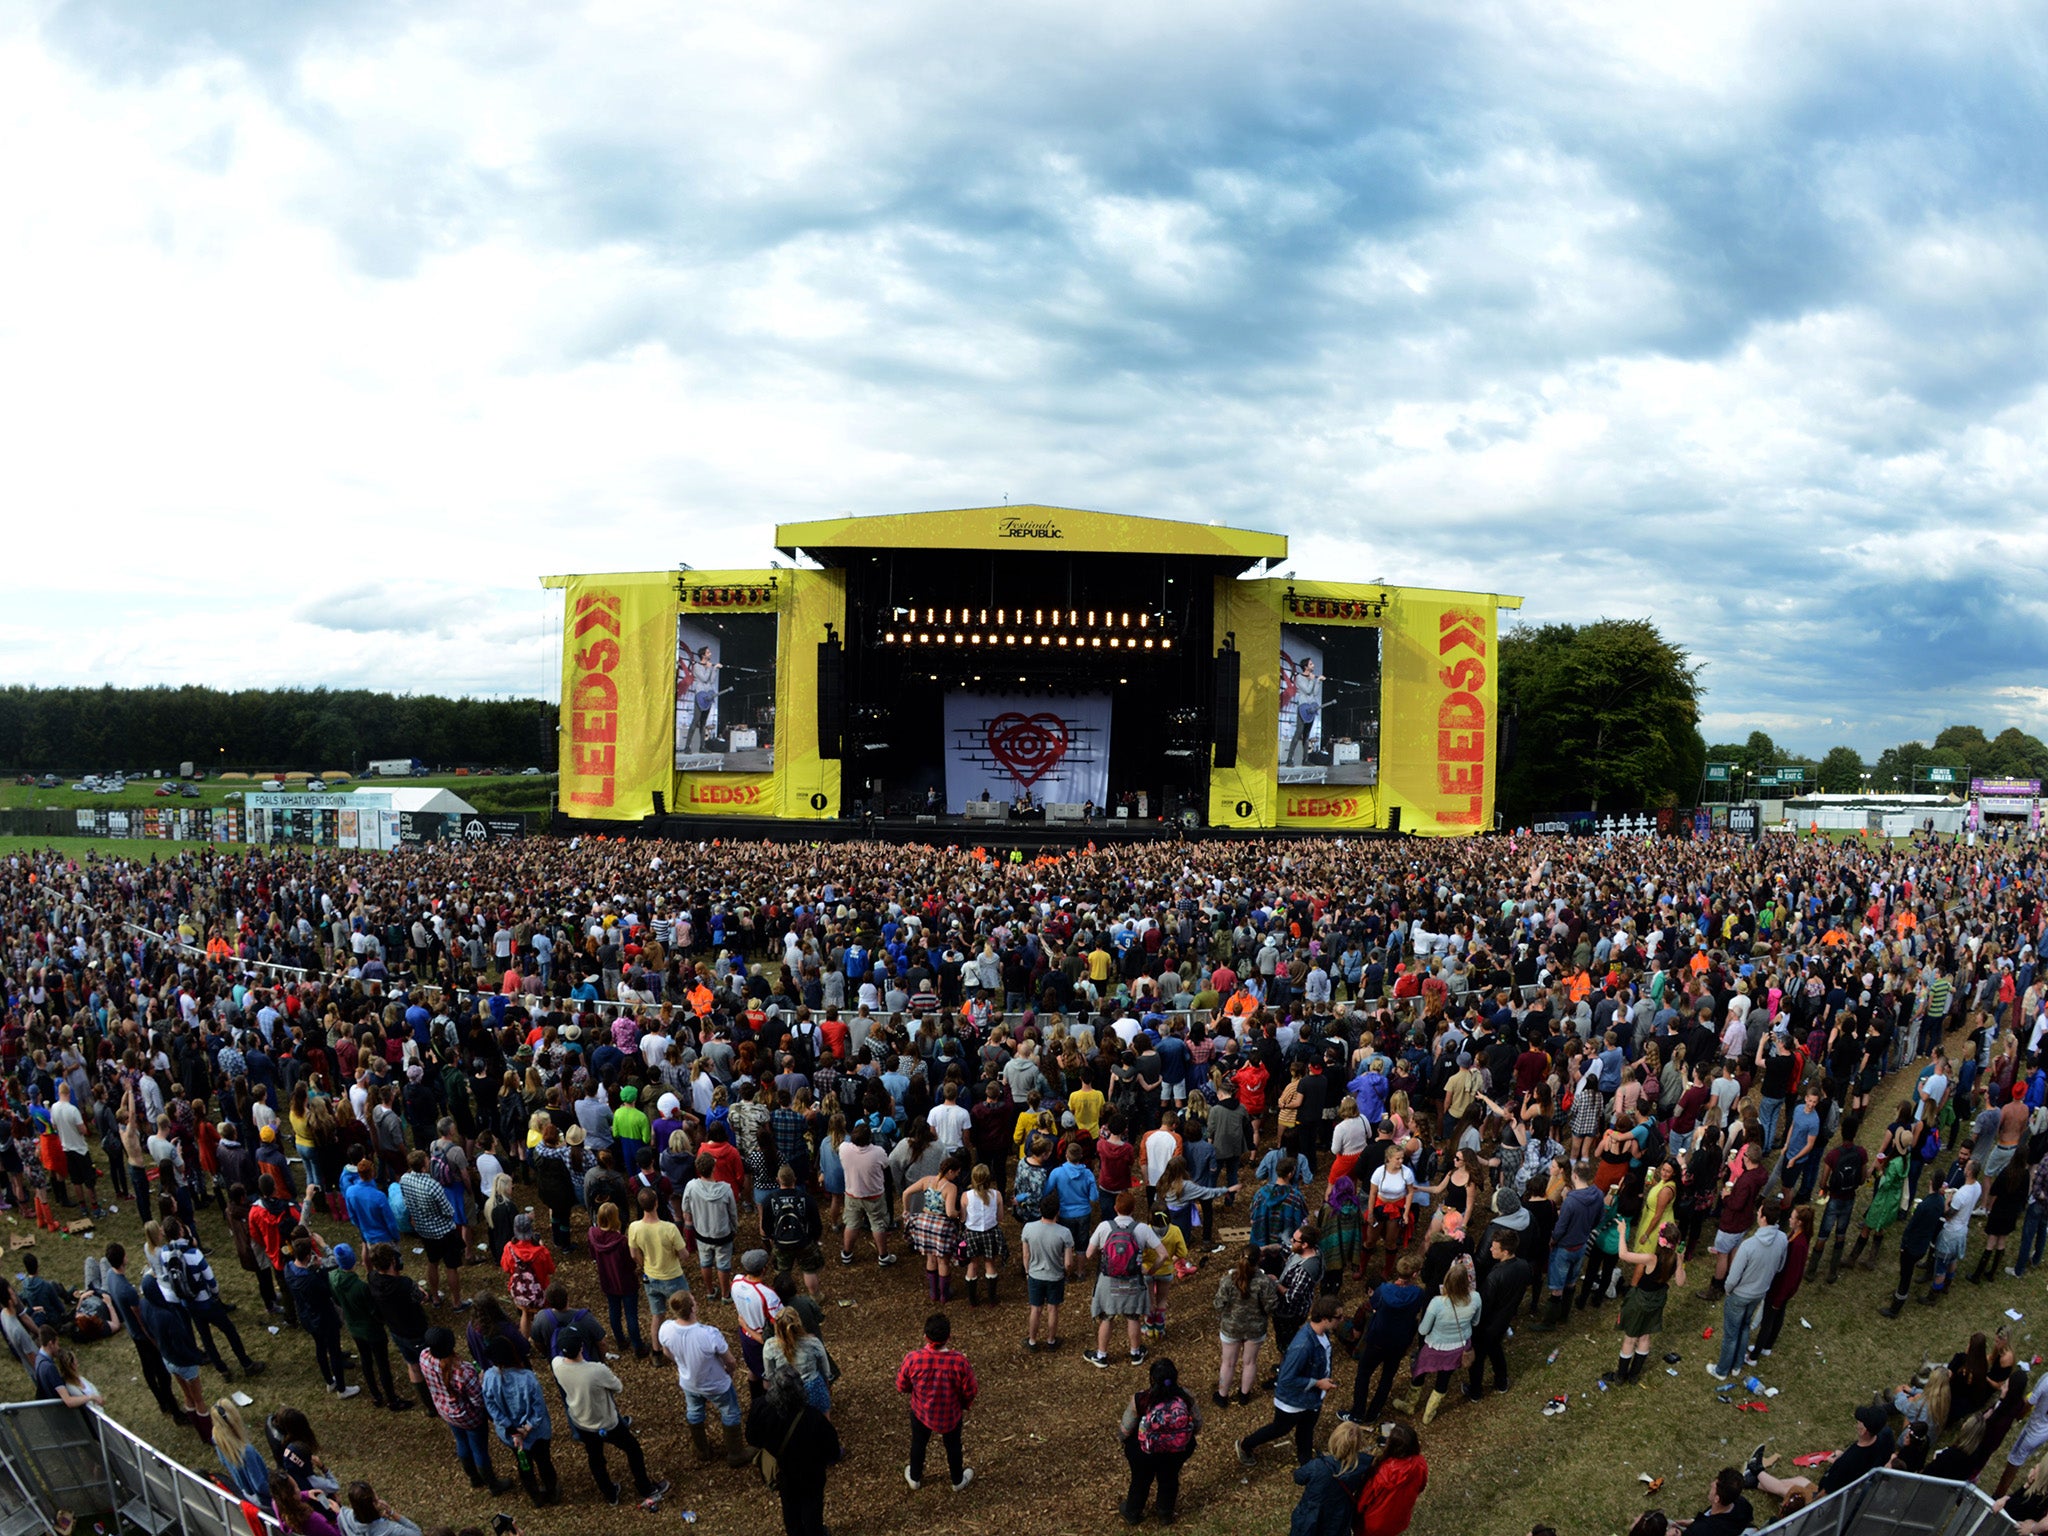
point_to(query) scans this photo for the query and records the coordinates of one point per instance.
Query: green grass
(105, 847)
(503, 792)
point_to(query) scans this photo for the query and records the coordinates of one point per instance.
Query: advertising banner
(618, 687)
(1437, 740)
(998, 746)
(1329, 805)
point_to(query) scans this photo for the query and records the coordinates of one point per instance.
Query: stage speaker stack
(831, 697)
(1223, 707)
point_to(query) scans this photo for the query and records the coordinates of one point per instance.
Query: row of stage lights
(938, 626)
(1048, 642)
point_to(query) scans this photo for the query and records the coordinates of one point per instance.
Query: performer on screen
(703, 697)
(1308, 703)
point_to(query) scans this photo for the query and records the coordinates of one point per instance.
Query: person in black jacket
(1500, 1296)
(171, 1331)
(318, 1315)
(804, 1445)
(1916, 1242)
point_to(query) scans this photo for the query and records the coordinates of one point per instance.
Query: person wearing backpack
(1119, 1246)
(528, 1268)
(794, 1229)
(1158, 1428)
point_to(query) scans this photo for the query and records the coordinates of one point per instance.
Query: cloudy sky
(326, 328)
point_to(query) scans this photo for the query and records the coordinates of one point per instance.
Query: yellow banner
(1323, 806)
(1438, 654)
(1244, 796)
(807, 786)
(618, 689)
(725, 794)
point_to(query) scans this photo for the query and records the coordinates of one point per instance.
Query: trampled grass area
(1042, 1438)
(497, 792)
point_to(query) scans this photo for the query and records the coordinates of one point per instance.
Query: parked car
(166, 789)
(233, 794)
(51, 781)
(272, 786)
(529, 773)
(190, 791)
(316, 783)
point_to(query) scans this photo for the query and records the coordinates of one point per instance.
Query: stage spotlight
(999, 617)
(1027, 639)
(1009, 639)
(889, 638)
(949, 615)
(1166, 645)
(1097, 642)
(1091, 618)
(959, 639)
(1074, 616)
(924, 639)
(1143, 619)
(1148, 642)
(1040, 619)
(1115, 641)
(1063, 640)
(984, 616)
(975, 638)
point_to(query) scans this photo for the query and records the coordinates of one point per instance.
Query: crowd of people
(1361, 1108)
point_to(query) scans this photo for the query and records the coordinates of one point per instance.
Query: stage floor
(1029, 836)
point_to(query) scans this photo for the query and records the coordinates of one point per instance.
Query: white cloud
(344, 329)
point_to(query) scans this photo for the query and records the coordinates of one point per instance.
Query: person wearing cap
(631, 1133)
(1871, 1449)
(590, 1397)
(359, 1315)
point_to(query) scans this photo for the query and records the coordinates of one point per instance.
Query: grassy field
(102, 847)
(497, 792)
(1042, 1441)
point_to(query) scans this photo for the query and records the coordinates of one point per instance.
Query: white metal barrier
(78, 1461)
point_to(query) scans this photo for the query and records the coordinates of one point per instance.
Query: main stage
(1074, 663)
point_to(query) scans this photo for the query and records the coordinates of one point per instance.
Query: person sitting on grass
(1871, 1449)
(1727, 1512)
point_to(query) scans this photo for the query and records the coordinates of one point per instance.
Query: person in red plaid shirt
(942, 1388)
(458, 1395)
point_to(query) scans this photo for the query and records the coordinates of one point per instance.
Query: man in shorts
(1048, 1261)
(658, 1253)
(714, 1215)
(867, 1204)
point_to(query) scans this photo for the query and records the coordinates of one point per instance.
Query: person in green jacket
(630, 1130)
(359, 1312)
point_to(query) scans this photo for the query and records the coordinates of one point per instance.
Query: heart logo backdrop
(1002, 744)
(1027, 747)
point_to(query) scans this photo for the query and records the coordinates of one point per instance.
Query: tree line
(91, 730)
(1964, 749)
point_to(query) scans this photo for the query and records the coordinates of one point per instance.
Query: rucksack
(524, 1286)
(1848, 1175)
(394, 1198)
(1167, 1429)
(185, 1284)
(786, 1226)
(1121, 1255)
(441, 1171)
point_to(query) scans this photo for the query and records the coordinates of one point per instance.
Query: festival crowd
(1387, 1111)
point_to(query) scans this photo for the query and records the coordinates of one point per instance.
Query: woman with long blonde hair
(245, 1466)
(981, 1210)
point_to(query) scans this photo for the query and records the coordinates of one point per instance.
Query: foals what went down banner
(1004, 744)
(618, 670)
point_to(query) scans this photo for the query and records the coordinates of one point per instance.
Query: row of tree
(90, 730)
(1963, 749)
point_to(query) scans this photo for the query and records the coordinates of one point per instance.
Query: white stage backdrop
(1057, 748)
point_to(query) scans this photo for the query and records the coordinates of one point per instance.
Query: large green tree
(1607, 717)
(1841, 771)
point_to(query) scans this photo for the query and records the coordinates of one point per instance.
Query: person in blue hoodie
(1396, 1314)
(368, 1206)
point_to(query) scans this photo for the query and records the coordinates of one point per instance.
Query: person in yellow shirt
(1100, 964)
(1085, 1104)
(1160, 1269)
